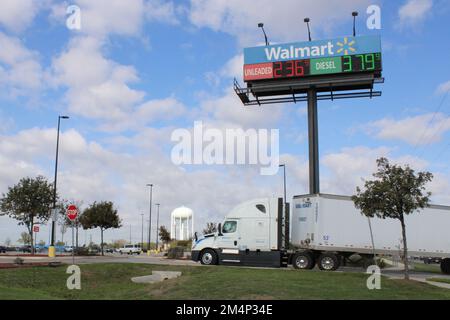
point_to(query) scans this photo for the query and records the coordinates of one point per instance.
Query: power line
(431, 121)
(441, 152)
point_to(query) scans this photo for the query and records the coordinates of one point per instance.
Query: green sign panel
(326, 65)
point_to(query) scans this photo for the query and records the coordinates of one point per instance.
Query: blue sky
(137, 71)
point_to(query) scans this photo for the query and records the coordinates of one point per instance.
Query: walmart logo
(346, 46)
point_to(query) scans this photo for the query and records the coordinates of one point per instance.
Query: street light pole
(142, 232)
(157, 227)
(150, 219)
(284, 184)
(51, 249)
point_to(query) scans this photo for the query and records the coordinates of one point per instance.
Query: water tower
(182, 223)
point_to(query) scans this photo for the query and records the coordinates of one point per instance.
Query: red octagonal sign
(72, 212)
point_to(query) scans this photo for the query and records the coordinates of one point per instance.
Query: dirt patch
(25, 265)
(258, 297)
(158, 290)
(30, 255)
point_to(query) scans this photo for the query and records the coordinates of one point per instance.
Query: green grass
(112, 281)
(443, 280)
(432, 268)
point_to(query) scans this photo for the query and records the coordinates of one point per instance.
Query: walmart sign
(313, 49)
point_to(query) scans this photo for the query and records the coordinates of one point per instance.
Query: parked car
(130, 249)
(94, 250)
(109, 250)
(27, 248)
(430, 260)
(2, 249)
(68, 249)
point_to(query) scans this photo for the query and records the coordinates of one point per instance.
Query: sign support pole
(73, 245)
(313, 137)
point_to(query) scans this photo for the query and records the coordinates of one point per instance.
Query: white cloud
(102, 18)
(418, 130)
(443, 87)
(351, 166)
(162, 11)
(17, 15)
(414, 11)
(149, 112)
(283, 21)
(20, 70)
(104, 90)
(100, 90)
(228, 111)
(346, 168)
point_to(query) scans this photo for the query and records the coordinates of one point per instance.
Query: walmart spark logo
(346, 47)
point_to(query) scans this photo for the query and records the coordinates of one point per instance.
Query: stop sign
(36, 229)
(72, 212)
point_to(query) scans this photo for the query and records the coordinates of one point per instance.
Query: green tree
(211, 227)
(100, 215)
(117, 244)
(28, 201)
(25, 238)
(164, 235)
(397, 191)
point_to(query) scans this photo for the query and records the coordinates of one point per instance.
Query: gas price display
(369, 62)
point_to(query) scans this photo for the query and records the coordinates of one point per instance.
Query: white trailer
(325, 229)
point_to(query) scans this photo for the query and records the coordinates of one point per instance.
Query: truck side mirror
(195, 236)
(219, 229)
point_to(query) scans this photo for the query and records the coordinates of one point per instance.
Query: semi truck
(324, 230)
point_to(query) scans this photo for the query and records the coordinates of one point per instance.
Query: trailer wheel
(445, 265)
(303, 260)
(328, 262)
(208, 257)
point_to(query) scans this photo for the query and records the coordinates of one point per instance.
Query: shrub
(183, 243)
(175, 253)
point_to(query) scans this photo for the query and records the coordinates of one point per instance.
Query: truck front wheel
(303, 260)
(328, 262)
(208, 257)
(445, 265)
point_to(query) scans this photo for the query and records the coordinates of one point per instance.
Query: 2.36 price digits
(292, 68)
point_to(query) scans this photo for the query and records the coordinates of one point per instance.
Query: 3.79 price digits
(361, 62)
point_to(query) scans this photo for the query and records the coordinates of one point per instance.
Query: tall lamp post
(150, 219)
(284, 184)
(51, 249)
(142, 231)
(157, 227)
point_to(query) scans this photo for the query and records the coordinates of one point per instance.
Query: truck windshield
(229, 227)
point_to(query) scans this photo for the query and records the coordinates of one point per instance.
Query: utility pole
(150, 219)
(157, 227)
(51, 249)
(142, 231)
